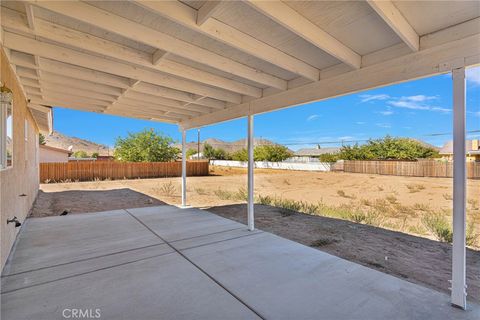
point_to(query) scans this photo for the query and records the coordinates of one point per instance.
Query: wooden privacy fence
(410, 168)
(91, 170)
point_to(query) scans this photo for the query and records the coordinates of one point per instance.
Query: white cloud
(439, 109)
(473, 76)
(346, 138)
(313, 117)
(360, 123)
(386, 113)
(417, 102)
(370, 97)
(383, 125)
(418, 98)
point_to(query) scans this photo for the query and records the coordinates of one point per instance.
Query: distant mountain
(59, 140)
(225, 145)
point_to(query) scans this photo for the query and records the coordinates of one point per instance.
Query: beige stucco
(22, 178)
(48, 154)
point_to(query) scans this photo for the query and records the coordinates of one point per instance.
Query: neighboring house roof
(42, 146)
(315, 151)
(471, 147)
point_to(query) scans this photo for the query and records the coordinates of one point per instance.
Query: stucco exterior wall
(49, 155)
(22, 178)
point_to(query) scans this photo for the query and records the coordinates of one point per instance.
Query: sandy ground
(408, 256)
(406, 198)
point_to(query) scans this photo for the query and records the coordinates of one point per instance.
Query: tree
(190, 152)
(210, 152)
(80, 154)
(95, 155)
(41, 139)
(273, 153)
(388, 148)
(145, 146)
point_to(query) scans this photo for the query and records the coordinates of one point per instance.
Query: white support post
(251, 225)
(459, 287)
(184, 169)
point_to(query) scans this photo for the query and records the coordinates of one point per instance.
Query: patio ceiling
(196, 63)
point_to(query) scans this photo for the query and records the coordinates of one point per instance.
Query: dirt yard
(399, 202)
(403, 201)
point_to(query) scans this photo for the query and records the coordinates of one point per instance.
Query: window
(6, 128)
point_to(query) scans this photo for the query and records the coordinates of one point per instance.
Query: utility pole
(198, 144)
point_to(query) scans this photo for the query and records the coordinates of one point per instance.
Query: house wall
(49, 155)
(22, 178)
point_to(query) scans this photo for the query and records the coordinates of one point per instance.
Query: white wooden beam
(459, 286)
(134, 83)
(251, 168)
(84, 41)
(415, 65)
(298, 24)
(131, 112)
(177, 95)
(125, 104)
(165, 101)
(30, 16)
(126, 28)
(179, 109)
(158, 56)
(55, 95)
(65, 104)
(184, 168)
(207, 10)
(60, 68)
(59, 80)
(215, 29)
(61, 54)
(394, 18)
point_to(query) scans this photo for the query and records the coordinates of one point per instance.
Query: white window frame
(3, 128)
(3, 137)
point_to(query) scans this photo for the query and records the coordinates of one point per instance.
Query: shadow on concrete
(83, 201)
(416, 259)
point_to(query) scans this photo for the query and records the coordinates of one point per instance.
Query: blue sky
(418, 109)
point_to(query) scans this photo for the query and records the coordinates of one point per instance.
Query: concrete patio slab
(174, 224)
(170, 263)
(51, 241)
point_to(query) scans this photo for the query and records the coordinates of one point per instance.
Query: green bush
(95, 155)
(240, 155)
(388, 148)
(80, 154)
(329, 157)
(273, 153)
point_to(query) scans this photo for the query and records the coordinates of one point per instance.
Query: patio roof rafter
(186, 16)
(138, 32)
(281, 13)
(83, 41)
(392, 16)
(92, 62)
(434, 58)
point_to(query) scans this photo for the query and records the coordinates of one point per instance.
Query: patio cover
(197, 63)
